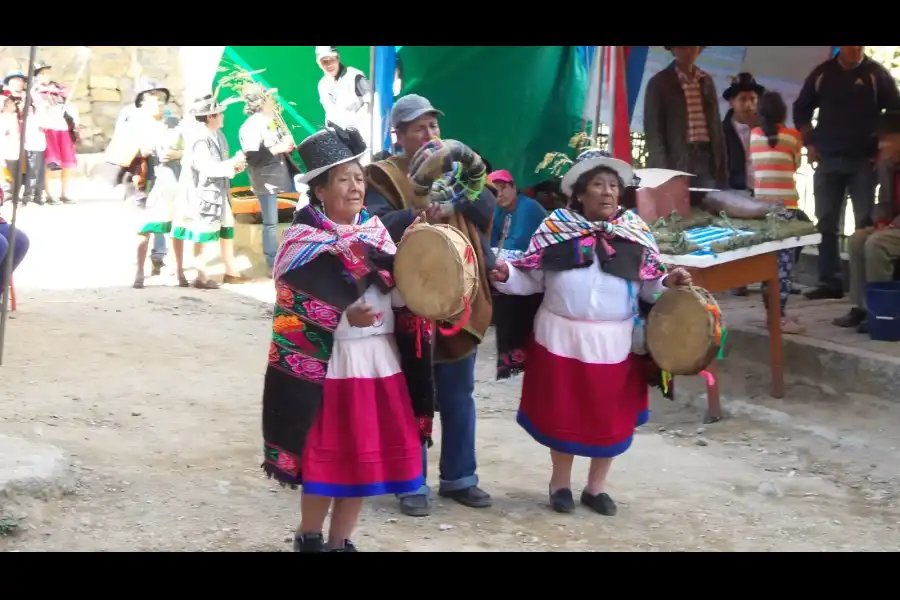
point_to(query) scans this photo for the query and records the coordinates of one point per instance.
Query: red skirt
(583, 392)
(365, 440)
(60, 149)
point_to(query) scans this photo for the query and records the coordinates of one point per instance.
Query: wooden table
(737, 268)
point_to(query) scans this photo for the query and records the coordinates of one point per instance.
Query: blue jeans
(835, 177)
(159, 250)
(20, 249)
(455, 384)
(268, 205)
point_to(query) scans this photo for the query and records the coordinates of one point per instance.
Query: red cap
(500, 177)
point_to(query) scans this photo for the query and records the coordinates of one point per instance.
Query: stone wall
(107, 82)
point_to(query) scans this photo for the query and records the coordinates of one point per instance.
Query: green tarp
(513, 104)
(293, 70)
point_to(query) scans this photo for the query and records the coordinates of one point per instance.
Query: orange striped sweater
(774, 168)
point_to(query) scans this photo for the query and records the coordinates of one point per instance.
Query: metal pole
(17, 183)
(600, 53)
(613, 72)
(372, 128)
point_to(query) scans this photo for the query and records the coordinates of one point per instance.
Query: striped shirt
(698, 131)
(774, 168)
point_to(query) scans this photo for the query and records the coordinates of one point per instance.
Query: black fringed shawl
(312, 295)
(564, 241)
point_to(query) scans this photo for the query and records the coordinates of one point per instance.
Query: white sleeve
(650, 290)
(250, 136)
(210, 166)
(521, 283)
(397, 300)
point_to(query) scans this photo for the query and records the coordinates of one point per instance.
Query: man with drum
(390, 196)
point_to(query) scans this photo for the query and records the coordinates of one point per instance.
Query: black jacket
(736, 155)
(849, 102)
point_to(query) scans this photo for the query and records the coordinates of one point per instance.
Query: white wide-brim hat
(207, 105)
(591, 159)
(327, 149)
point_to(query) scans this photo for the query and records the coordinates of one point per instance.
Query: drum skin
(681, 331)
(435, 272)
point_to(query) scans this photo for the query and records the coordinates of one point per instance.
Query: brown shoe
(207, 284)
(235, 279)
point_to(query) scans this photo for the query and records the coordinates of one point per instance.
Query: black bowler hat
(329, 148)
(742, 82)
(669, 48)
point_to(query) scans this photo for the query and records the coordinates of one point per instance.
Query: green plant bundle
(670, 231)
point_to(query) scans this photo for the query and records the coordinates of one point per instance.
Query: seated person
(516, 216)
(874, 251)
(20, 248)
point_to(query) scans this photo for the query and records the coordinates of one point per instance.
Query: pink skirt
(365, 440)
(60, 150)
(583, 392)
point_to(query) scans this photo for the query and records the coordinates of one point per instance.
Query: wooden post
(17, 184)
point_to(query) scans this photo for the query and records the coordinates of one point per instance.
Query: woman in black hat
(348, 396)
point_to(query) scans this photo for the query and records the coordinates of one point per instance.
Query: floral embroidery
(305, 367)
(286, 463)
(285, 296)
(321, 313)
(306, 308)
(287, 323)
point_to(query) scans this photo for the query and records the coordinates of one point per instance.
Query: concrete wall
(107, 82)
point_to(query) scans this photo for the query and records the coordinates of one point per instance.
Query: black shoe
(66, 200)
(51, 201)
(309, 543)
(863, 328)
(562, 501)
(473, 497)
(157, 267)
(823, 293)
(601, 503)
(740, 292)
(854, 318)
(415, 506)
(347, 547)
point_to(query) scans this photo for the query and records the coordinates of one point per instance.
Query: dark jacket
(849, 102)
(666, 124)
(736, 154)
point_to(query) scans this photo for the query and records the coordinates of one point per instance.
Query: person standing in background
(682, 121)
(267, 146)
(775, 154)
(344, 93)
(516, 216)
(56, 119)
(850, 91)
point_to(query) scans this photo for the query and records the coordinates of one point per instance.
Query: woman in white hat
(204, 214)
(153, 150)
(573, 304)
(348, 396)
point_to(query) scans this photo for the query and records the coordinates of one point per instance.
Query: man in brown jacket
(682, 123)
(389, 195)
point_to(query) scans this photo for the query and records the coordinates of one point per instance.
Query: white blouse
(383, 305)
(587, 294)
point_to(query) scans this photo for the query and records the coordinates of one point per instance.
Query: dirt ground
(156, 396)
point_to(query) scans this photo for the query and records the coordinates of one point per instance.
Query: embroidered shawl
(322, 269)
(565, 240)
